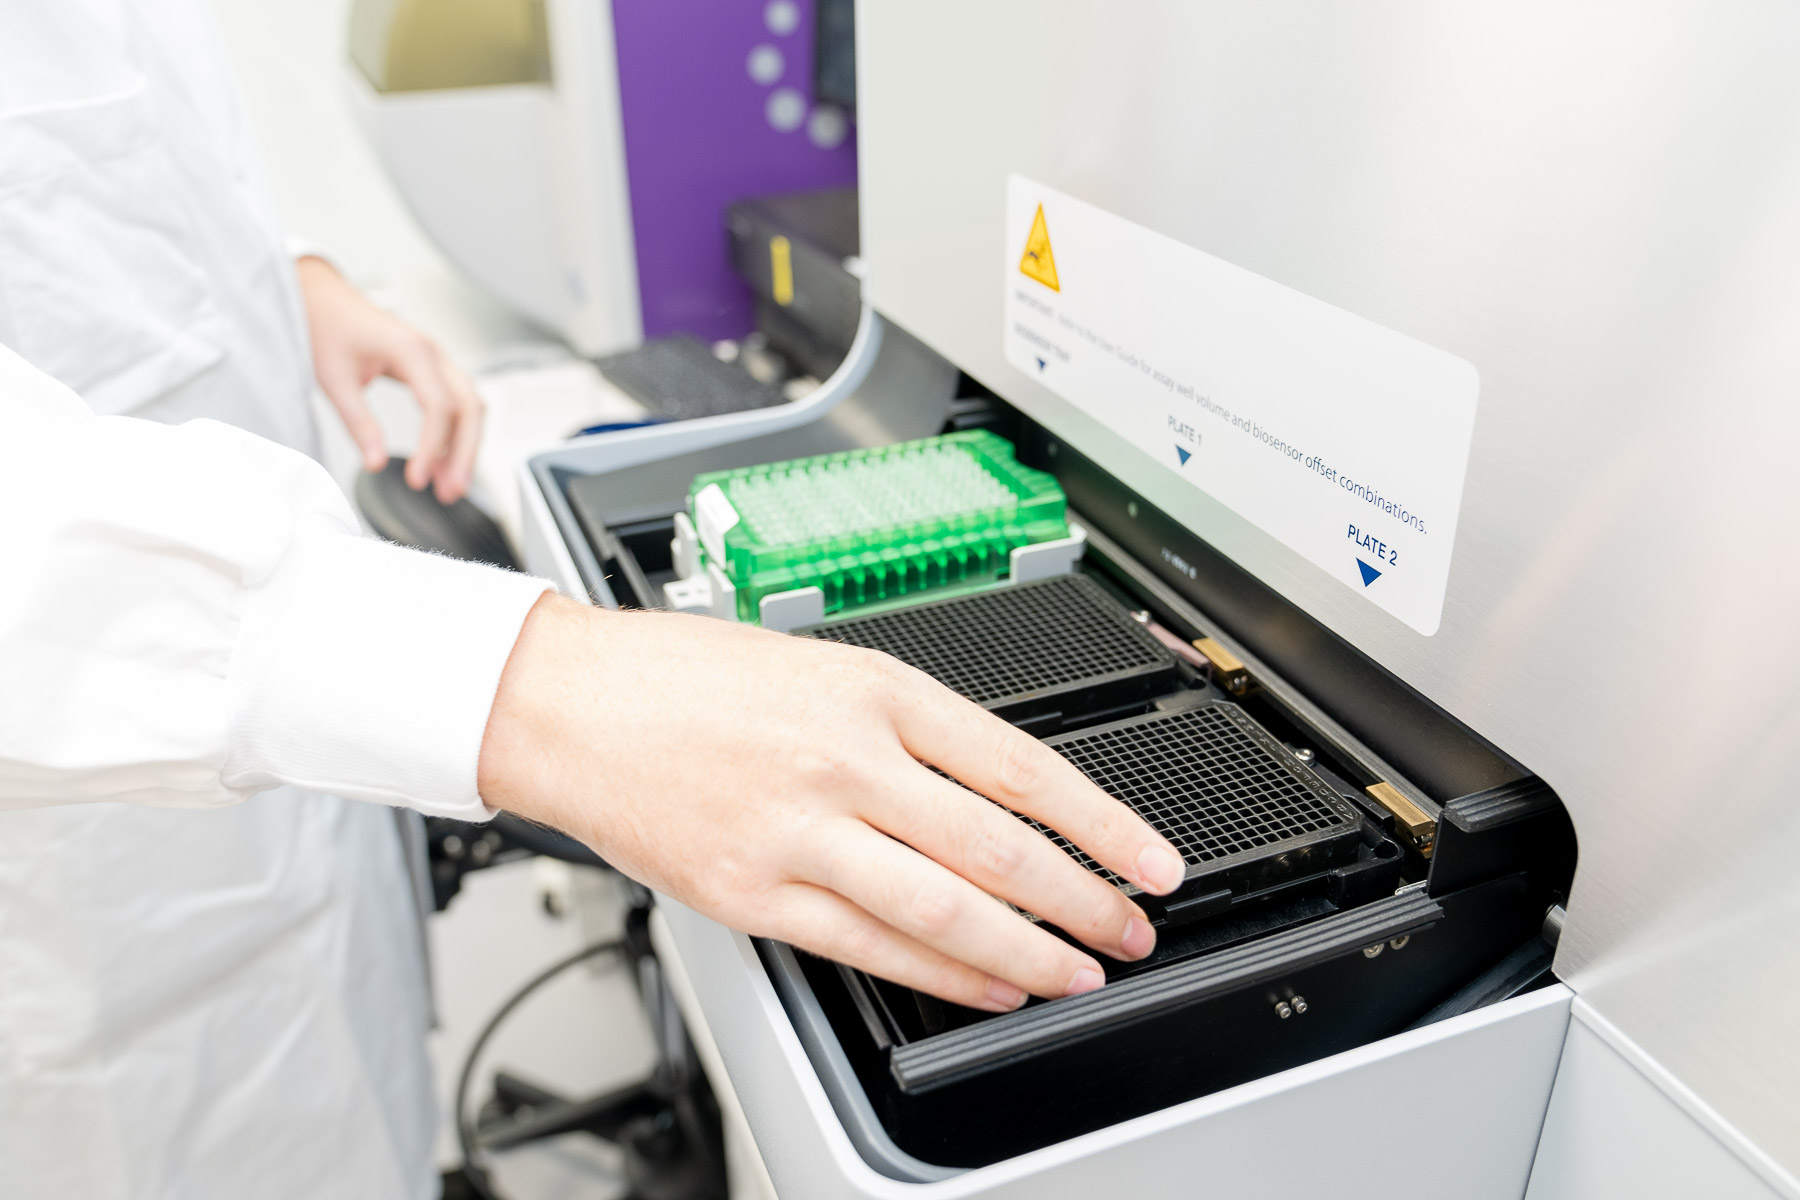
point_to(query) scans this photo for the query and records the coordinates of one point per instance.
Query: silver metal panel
(1355, 1126)
(1598, 205)
(746, 1175)
(1613, 1134)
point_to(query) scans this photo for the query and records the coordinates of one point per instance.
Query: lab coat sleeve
(189, 615)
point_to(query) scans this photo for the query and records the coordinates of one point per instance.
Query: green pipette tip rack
(876, 525)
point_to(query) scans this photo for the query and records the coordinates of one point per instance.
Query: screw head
(1372, 951)
(1399, 943)
(1282, 1010)
(1299, 1003)
(1304, 754)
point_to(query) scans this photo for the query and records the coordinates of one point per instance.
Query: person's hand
(353, 341)
(779, 785)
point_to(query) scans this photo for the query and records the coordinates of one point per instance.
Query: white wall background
(292, 63)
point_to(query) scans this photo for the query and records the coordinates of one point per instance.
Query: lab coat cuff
(366, 670)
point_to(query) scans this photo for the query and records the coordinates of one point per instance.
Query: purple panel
(700, 133)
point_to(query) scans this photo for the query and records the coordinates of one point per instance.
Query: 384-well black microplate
(1059, 646)
(1243, 811)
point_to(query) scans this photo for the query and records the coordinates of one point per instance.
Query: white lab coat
(228, 1001)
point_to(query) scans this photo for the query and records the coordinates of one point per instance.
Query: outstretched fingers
(1000, 854)
(1015, 769)
(934, 906)
(825, 923)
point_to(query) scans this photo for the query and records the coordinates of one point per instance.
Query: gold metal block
(1409, 818)
(1228, 672)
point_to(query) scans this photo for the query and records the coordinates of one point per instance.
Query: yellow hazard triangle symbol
(1038, 263)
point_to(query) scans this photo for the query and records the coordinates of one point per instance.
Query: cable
(465, 1133)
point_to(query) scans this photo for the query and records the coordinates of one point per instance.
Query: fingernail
(1139, 938)
(1087, 979)
(1160, 869)
(1003, 995)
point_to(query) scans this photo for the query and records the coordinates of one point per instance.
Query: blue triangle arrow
(1185, 454)
(1369, 574)
(1040, 363)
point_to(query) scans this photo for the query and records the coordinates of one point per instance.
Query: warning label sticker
(1345, 440)
(1038, 262)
